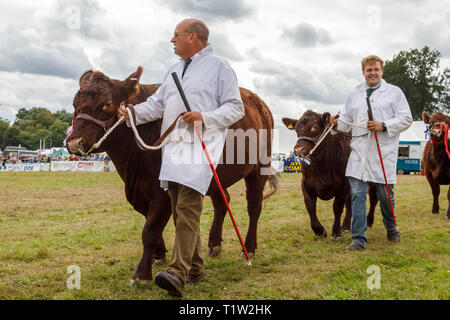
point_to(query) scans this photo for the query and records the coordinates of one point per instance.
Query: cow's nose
(75, 145)
(436, 132)
(299, 151)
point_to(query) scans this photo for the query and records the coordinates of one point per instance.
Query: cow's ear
(131, 83)
(85, 77)
(289, 123)
(326, 117)
(426, 117)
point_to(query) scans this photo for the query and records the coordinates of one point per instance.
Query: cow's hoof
(346, 230)
(336, 236)
(324, 234)
(133, 282)
(447, 217)
(434, 212)
(214, 252)
(159, 262)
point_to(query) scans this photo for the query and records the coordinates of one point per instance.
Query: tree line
(425, 85)
(32, 125)
(416, 72)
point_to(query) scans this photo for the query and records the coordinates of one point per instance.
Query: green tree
(43, 118)
(24, 114)
(43, 134)
(64, 116)
(33, 125)
(417, 73)
(12, 137)
(58, 132)
(4, 125)
(34, 119)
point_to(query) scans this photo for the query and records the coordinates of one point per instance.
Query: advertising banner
(292, 166)
(80, 166)
(23, 167)
(83, 166)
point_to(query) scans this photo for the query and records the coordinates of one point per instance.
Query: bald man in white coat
(212, 90)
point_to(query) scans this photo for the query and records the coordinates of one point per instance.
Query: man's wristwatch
(384, 126)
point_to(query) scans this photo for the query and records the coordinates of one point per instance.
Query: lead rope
(107, 133)
(368, 140)
(173, 136)
(318, 142)
(163, 143)
(323, 136)
(308, 157)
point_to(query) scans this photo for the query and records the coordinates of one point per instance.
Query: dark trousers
(187, 207)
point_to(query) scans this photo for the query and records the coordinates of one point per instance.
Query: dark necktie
(186, 65)
(370, 91)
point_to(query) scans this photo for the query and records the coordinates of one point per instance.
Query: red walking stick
(381, 161)
(211, 165)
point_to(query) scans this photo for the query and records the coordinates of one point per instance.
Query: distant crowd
(283, 157)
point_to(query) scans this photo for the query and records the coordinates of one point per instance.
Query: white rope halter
(173, 136)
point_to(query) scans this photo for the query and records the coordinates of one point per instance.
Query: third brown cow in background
(436, 157)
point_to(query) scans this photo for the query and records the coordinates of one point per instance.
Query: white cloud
(211, 9)
(434, 32)
(19, 90)
(307, 35)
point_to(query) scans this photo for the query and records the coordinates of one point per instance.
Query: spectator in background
(106, 166)
(292, 156)
(3, 162)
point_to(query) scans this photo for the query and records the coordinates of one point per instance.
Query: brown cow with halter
(436, 157)
(324, 170)
(96, 104)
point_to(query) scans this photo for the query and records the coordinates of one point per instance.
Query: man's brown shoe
(171, 282)
(195, 278)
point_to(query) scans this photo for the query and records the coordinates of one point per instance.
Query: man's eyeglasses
(175, 35)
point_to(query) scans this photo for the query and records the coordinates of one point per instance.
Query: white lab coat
(389, 105)
(211, 88)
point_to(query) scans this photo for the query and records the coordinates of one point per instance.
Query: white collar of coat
(204, 52)
(363, 86)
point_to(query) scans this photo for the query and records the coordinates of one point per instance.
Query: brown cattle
(325, 177)
(99, 97)
(435, 160)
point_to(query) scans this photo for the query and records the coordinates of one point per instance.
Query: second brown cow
(324, 177)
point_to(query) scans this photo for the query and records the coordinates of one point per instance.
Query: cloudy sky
(295, 54)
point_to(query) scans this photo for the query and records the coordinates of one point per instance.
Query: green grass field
(50, 221)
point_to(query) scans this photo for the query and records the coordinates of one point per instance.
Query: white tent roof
(414, 133)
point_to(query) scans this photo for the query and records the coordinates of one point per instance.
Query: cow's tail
(274, 180)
